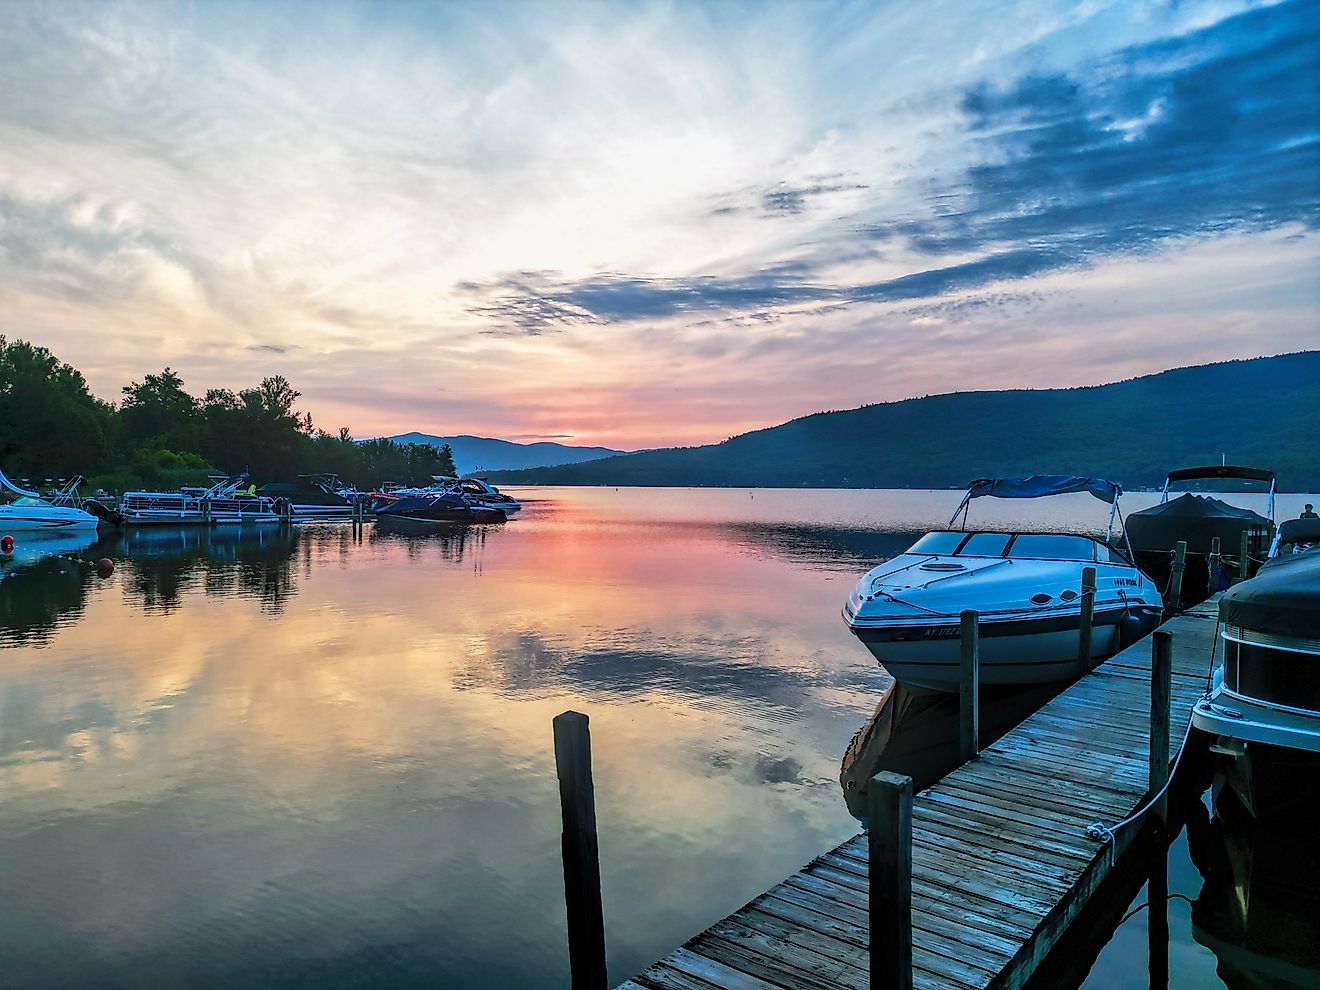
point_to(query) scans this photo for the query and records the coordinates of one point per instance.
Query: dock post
(1161, 677)
(206, 511)
(1157, 923)
(1214, 566)
(1176, 577)
(969, 693)
(1244, 561)
(889, 880)
(577, 803)
(1088, 618)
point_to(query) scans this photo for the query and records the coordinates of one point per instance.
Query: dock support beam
(1174, 604)
(577, 803)
(969, 693)
(1161, 682)
(889, 879)
(1157, 923)
(1088, 618)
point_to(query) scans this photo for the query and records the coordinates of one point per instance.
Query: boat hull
(1033, 650)
(51, 519)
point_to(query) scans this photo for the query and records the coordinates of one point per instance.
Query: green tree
(50, 424)
(157, 412)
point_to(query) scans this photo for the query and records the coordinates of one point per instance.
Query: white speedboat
(223, 502)
(23, 511)
(1265, 695)
(1025, 586)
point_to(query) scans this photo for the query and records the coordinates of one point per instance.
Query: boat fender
(1129, 630)
(6, 544)
(105, 567)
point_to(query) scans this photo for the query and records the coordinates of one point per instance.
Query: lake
(318, 757)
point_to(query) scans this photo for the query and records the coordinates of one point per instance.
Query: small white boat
(1026, 587)
(25, 512)
(222, 503)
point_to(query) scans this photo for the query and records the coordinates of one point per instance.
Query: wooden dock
(1003, 855)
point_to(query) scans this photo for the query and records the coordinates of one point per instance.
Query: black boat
(443, 507)
(1154, 533)
(318, 496)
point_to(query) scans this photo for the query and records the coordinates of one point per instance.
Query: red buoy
(105, 567)
(6, 544)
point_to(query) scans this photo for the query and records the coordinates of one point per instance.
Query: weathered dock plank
(1001, 857)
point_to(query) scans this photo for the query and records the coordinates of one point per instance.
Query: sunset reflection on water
(278, 756)
(282, 757)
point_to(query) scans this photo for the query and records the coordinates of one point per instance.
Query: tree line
(160, 434)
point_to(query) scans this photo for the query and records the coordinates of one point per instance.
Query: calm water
(314, 758)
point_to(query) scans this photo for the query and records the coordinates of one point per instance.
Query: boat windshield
(984, 545)
(1051, 546)
(942, 543)
(1037, 546)
(29, 501)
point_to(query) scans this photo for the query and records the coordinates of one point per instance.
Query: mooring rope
(1105, 833)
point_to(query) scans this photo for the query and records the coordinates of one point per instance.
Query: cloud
(525, 219)
(1199, 135)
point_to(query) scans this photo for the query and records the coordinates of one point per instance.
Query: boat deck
(1001, 857)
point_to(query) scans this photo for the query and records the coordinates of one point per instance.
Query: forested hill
(1263, 411)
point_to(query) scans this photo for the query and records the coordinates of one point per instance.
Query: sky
(646, 224)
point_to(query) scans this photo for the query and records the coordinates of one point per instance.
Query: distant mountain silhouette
(1262, 411)
(488, 454)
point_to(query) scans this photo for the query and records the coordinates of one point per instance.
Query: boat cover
(1299, 531)
(1039, 485)
(1198, 519)
(1283, 599)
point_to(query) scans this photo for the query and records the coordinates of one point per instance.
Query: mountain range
(1263, 412)
(488, 454)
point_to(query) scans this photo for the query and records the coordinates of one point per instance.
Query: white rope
(1105, 833)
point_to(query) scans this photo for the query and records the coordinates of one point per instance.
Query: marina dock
(1005, 849)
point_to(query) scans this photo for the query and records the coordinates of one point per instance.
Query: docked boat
(1295, 536)
(480, 491)
(23, 511)
(222, 503)
(476, 492)
(314, 496)
(437, 507)
(1198, 519)
(1026, 587)
(1264, 704)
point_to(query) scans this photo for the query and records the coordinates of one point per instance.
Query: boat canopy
(1233, 471)
(1039, 485)
(1220, 471)
(1280, 600)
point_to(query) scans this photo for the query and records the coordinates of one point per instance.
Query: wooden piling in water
(969, 694)
(1161, 686)
(889, 880)
(577, 803)
(1174, 603)
(1088, 618)
(1244, 558)
(1157, 899)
